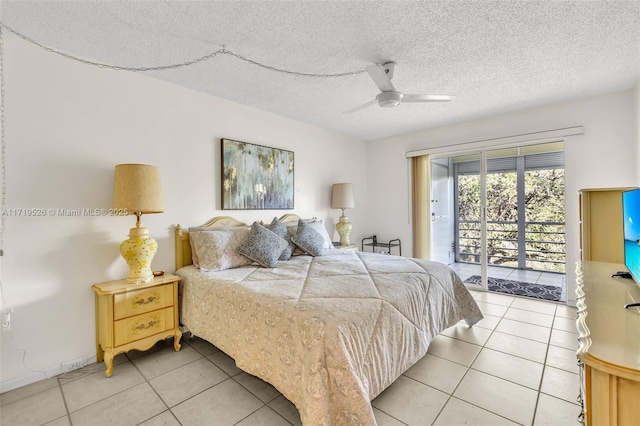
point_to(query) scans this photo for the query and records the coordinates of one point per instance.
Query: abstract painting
(256, 177)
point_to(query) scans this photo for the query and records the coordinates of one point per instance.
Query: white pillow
(216, 249)
(194, 255)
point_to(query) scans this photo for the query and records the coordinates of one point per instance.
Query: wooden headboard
(183, 246)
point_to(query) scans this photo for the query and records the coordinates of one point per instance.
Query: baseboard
(47, 373)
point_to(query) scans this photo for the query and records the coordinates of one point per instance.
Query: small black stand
(375, 244)
(631, 305)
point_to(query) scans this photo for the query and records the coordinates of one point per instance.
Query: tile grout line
(64, 401)
(467, 372)
(544, 369)
(231, 377)
(264, 404)
(170, 409)
(152, 388)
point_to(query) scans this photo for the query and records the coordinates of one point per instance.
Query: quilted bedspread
(329, 332)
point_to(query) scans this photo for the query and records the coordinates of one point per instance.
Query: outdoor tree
(544, 213)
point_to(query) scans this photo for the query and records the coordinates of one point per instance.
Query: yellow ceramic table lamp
(137, 190)
(342, 198)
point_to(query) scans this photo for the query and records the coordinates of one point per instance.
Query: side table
(135, 316)
(352, 247)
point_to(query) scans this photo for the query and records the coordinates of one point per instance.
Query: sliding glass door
(469, 225)
(442, 211)
(499, 213)
(458, 231)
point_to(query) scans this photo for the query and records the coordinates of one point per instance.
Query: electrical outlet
(6, 320)
(72, 365)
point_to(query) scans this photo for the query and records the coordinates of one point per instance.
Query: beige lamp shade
(137, 189)
(342, 196)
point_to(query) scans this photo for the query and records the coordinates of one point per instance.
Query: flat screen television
(631, 216)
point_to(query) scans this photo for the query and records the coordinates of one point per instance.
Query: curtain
(421, 201)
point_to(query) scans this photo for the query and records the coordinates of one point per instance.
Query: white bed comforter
(330, 332)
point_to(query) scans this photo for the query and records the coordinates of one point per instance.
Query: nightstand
(135, 316)
(352, 247)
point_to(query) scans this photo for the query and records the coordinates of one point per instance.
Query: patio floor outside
(466, 270)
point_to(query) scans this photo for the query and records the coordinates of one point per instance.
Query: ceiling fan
(389, 96)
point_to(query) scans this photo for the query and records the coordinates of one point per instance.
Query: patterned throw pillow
(309, 240)
(281, 230)
(262, 246)
(318, 226)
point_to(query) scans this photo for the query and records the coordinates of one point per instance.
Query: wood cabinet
(601, 232)
(608, 345)
(135, 316)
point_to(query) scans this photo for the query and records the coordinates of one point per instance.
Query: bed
(329, 331)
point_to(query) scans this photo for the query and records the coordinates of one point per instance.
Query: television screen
(631, 212)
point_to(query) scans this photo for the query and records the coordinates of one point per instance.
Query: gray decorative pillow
(262, 246)
(281, 230)
(318, 226)
(309, 240)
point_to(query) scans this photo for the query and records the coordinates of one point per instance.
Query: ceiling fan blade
(427, 98)
(380, 77)
(363, 106)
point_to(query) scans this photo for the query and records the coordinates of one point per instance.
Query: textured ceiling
(495, 57)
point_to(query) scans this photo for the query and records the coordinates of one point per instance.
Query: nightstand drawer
(141, 301)
(141, 326)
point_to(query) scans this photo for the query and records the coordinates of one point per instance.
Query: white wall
(606, 155)
(67, 126)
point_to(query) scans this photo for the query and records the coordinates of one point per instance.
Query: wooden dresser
(608, 345)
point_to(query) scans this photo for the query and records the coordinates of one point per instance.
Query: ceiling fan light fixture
(389, 99)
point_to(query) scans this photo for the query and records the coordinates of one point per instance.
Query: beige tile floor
(517, 366)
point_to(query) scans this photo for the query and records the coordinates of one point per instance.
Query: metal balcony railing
(544, 244)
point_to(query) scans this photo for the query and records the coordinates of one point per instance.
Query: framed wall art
(256, 177)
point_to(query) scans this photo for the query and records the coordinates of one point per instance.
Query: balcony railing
(544, 244)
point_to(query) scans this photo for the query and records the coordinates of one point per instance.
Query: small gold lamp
(137, 190)
(342, 198)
